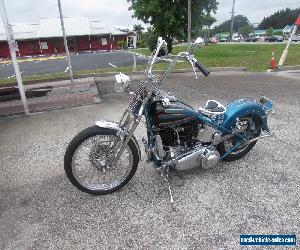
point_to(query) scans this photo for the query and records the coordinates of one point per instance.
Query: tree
(280, 19)
(246, 30)
(151, 38)
(121, 44)
(239, 21)
(169, 18)
(209, 21)
(269, 32)
(223, 27)
(138, 29)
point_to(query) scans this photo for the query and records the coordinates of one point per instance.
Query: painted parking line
(12, 76)
(35, 59)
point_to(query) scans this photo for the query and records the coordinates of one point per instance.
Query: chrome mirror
(122, 82)
(164, 47)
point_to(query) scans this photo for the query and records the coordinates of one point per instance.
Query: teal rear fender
(244, 107)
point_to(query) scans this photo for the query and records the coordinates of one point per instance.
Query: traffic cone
(298, 21)
(273, 60)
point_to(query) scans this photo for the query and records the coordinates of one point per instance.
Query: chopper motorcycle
(103, 158)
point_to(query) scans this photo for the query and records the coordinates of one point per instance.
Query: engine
(176, 138)
(174, 126)
(183, 135)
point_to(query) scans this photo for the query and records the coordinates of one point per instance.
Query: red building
(47, 38)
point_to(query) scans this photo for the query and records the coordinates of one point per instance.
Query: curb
(213, 69)
(112, 73)
(284, 68)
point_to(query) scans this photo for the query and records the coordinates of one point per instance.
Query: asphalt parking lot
(259, 194)
(87, 61)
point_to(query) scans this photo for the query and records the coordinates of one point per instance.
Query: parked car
(199, 40)
(236, 38)
(213, 40)
(222, 40)
(274, 38)
(250, 39)
(296, 38)
(175, 41)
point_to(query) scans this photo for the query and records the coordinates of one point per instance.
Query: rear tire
(244, 150)
(80, 139)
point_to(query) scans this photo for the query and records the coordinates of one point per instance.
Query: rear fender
(243, 107)
(115, 126)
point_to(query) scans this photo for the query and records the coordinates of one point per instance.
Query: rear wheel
(87, 157)
(251, 129)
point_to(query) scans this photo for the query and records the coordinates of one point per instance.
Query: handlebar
(187, 55)
(193, 61)
(202, 68)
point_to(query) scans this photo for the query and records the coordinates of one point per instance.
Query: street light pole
(65, 41)
(189, 23)
(232, 20)
(13, 47)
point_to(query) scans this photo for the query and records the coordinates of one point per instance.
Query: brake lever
(193, 66)
(196, 76)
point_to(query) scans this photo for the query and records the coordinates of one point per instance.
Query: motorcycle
(103, 158)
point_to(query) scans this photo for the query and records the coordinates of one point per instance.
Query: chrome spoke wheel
(247, 127)
(247, 130)
(90, 163)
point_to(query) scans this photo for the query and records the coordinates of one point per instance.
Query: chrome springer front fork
(128, 123)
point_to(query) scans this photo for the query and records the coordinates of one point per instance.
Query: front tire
(90, 151)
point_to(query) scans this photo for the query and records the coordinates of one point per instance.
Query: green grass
(256, 57)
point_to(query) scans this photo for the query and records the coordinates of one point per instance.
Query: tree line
(280, 19)
(169, 19)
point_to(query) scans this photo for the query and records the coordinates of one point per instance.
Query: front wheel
(250, 128)
(87, 157)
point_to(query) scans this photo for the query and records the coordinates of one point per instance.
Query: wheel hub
(99, 157)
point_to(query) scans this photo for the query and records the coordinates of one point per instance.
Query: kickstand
(165, 175)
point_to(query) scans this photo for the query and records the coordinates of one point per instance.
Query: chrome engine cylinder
(205, 157)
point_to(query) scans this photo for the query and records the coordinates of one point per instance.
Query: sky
(115, 12)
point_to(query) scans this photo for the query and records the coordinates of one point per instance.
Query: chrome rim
(90, 160)
(249, 132)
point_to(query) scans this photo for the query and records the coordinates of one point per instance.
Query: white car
(236, 39)
(223, 40)
(296, 38)
(199, 40)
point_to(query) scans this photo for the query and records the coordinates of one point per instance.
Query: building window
(70, 42)
(104, 41)
(44, 45)
(33, 47)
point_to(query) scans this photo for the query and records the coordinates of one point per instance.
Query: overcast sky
(115, 12)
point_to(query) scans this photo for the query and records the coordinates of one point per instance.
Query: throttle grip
(202, 68)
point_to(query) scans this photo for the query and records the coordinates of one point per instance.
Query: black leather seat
(213, 106)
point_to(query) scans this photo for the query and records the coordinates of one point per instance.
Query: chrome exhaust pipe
(260, 137)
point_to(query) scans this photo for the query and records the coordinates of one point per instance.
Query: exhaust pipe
(260, 137)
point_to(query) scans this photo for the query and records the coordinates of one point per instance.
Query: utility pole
(65, 41)
(189, 23)
(232, 20)
(134, 40)
(13, 47)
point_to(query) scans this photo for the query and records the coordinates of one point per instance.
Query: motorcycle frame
(129, 122)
